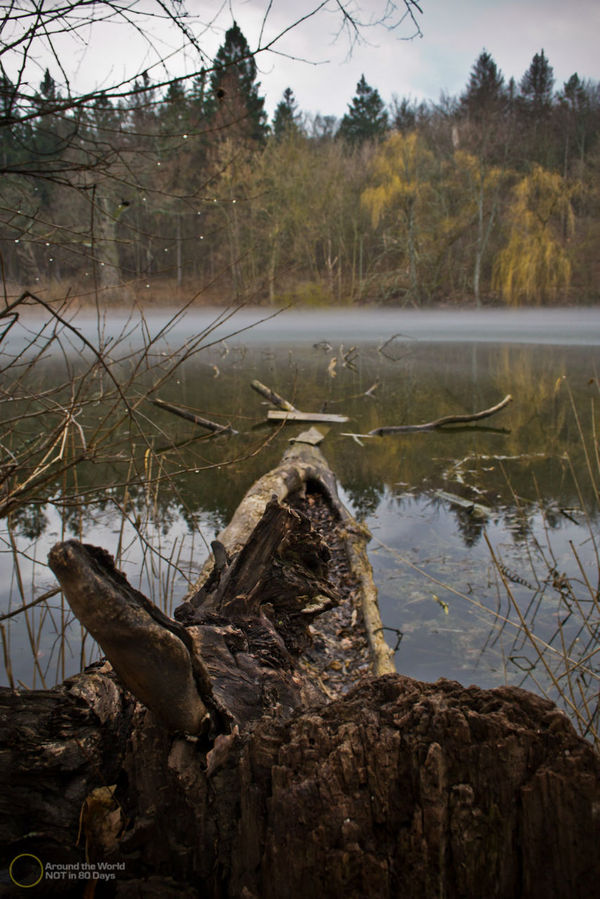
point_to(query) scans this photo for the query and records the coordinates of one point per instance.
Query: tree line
(190, 190)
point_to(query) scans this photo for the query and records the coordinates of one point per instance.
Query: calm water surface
(442, 597)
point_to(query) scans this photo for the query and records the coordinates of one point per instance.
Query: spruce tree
(15, 136)
(537, 85)
(52, 131)
(366, 118)
(485, 91)
(234, 100)
(286, 118)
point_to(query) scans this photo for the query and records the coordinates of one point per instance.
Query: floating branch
(296, 415)
(272, 397)
(476, 509)
(287, 412)
(441, 422)
(197, 419)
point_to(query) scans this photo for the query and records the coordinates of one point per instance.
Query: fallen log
(440, 422)
(306, 774)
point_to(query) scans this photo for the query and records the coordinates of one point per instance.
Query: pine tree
(485, 91)
(53, 132)
(15, 136)
(537, 85)
(234, 100)
(366, 118)
(174, 111)
(534, 107)
(574, 113)
(286, 118)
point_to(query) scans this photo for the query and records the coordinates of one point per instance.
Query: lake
(483, 545)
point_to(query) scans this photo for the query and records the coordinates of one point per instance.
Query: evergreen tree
(574, 113)
(53, 132)
(174, 110)
(197, 98)
(234, 99)
(15, 136)
(366, 118)
(485, 91)
(537, 85)
(286, 118)
(536, 140)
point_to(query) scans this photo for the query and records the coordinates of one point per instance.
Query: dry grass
(82, 443)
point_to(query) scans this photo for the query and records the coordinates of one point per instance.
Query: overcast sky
(323, 69)
(454, 33)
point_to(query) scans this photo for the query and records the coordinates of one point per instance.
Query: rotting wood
(152, 654)
(441, 422)
(313, 437)
(256, 603)
(197, 419)
(303, 463)
(391, 788)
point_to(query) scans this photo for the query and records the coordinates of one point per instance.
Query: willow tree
(401, 188)
(534, 265)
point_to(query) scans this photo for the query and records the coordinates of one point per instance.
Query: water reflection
(528, 467)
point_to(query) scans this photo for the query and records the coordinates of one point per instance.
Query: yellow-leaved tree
(401, 172)
(534, 266)
(480, 188)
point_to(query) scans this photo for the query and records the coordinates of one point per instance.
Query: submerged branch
(441, 422)
(197, 419)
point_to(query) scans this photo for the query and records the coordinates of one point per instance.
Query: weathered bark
(303, 784)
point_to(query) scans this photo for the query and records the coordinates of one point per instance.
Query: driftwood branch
(197, 419)
(441, 422)
(272, 397)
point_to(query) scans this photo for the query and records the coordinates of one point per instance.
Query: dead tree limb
(441, 422)
(287, 412)
(272, 397)
(197, 419)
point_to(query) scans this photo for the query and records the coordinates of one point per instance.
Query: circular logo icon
(26, 870)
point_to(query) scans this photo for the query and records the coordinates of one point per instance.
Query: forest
(188, 192)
